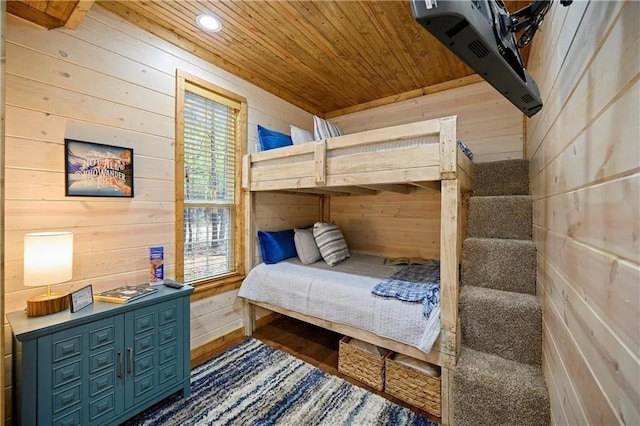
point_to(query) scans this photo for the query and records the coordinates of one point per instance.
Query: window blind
(209, 184)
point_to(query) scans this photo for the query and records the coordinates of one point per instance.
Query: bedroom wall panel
(225, 309)
(77, 78)
(113, 83)
(598, 161)
(583, 323)
(390, 224)
(3, 331)
(32, 127)
(570, 64)
(279, 211)
(31, 94)
(275, 211)
(487, 122)
(585, 181)
(606, 281)
(566, 406)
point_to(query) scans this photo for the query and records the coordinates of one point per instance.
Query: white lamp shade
(48, 258)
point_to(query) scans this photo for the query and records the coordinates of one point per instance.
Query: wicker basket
(412, 386)
(361, 365)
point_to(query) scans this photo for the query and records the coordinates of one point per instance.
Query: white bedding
(342, 294)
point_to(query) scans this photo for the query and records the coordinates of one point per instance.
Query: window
(210, 141)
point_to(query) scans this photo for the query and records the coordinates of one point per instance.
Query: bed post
(446, 409)
(249, 223)
(450, 224)
(450, 234)
(248, 317)
(448, 148)
(450, 208)
(248, 310)
(449, 267)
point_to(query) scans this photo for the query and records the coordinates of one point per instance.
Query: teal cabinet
(103, 364)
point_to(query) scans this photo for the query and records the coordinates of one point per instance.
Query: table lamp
(48, 259)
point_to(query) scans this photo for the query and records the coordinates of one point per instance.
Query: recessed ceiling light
(209, 23)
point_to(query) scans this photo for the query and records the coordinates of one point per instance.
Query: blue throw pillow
(277, 246)
(270, 139)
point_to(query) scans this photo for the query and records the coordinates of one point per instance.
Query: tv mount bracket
(529, 18)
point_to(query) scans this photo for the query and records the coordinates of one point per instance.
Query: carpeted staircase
(498, 379)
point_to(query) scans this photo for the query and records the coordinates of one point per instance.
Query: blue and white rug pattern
(255, 384)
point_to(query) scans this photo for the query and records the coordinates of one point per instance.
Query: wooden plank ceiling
(327, 57)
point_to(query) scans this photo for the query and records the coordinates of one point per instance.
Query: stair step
(500, 217)
(501, 264)
(502, 323)
(489, 390)
(510, 177)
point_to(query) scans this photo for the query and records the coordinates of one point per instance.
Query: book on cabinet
(125, 293)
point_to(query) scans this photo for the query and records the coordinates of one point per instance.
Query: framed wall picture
(81, 298)
(97, 170)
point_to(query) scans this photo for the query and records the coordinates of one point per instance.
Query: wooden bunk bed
(423, 154)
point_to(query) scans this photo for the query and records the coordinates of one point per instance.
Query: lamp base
(46, 304)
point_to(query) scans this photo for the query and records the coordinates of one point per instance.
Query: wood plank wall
(390, 224)
(487, 122)
(3, 28)
(278, 211)
(585, 181)
(113, 83)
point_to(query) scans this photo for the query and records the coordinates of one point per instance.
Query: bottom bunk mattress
(343, 294)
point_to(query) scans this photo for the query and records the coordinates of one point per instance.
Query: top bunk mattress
(342, 294)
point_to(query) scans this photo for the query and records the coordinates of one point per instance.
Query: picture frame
(97, 170)
(80, 299)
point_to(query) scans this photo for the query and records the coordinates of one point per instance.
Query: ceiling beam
(78, 14)
(51, 14)
(440, 87)
(33, 15)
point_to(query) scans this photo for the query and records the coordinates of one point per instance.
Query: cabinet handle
(130, 365)
(120, 365)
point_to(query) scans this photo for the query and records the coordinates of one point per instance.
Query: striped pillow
(330, 242)
(322, 129)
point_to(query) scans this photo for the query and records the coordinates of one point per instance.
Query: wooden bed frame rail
(320, 166)
(440, 166)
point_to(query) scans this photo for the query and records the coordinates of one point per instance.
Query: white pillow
(306, 246)
(299, 135)
(322, 129)
(331, 243)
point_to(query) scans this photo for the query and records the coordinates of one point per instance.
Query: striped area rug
(255, 384)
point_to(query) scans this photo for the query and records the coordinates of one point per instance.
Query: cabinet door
(153, 356)
(78, 374)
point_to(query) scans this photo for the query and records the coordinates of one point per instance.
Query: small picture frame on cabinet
(81, 298)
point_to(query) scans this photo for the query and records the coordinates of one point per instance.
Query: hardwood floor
(314, 345)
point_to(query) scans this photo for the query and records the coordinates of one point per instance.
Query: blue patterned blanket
(465, 149)
(413, 283)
